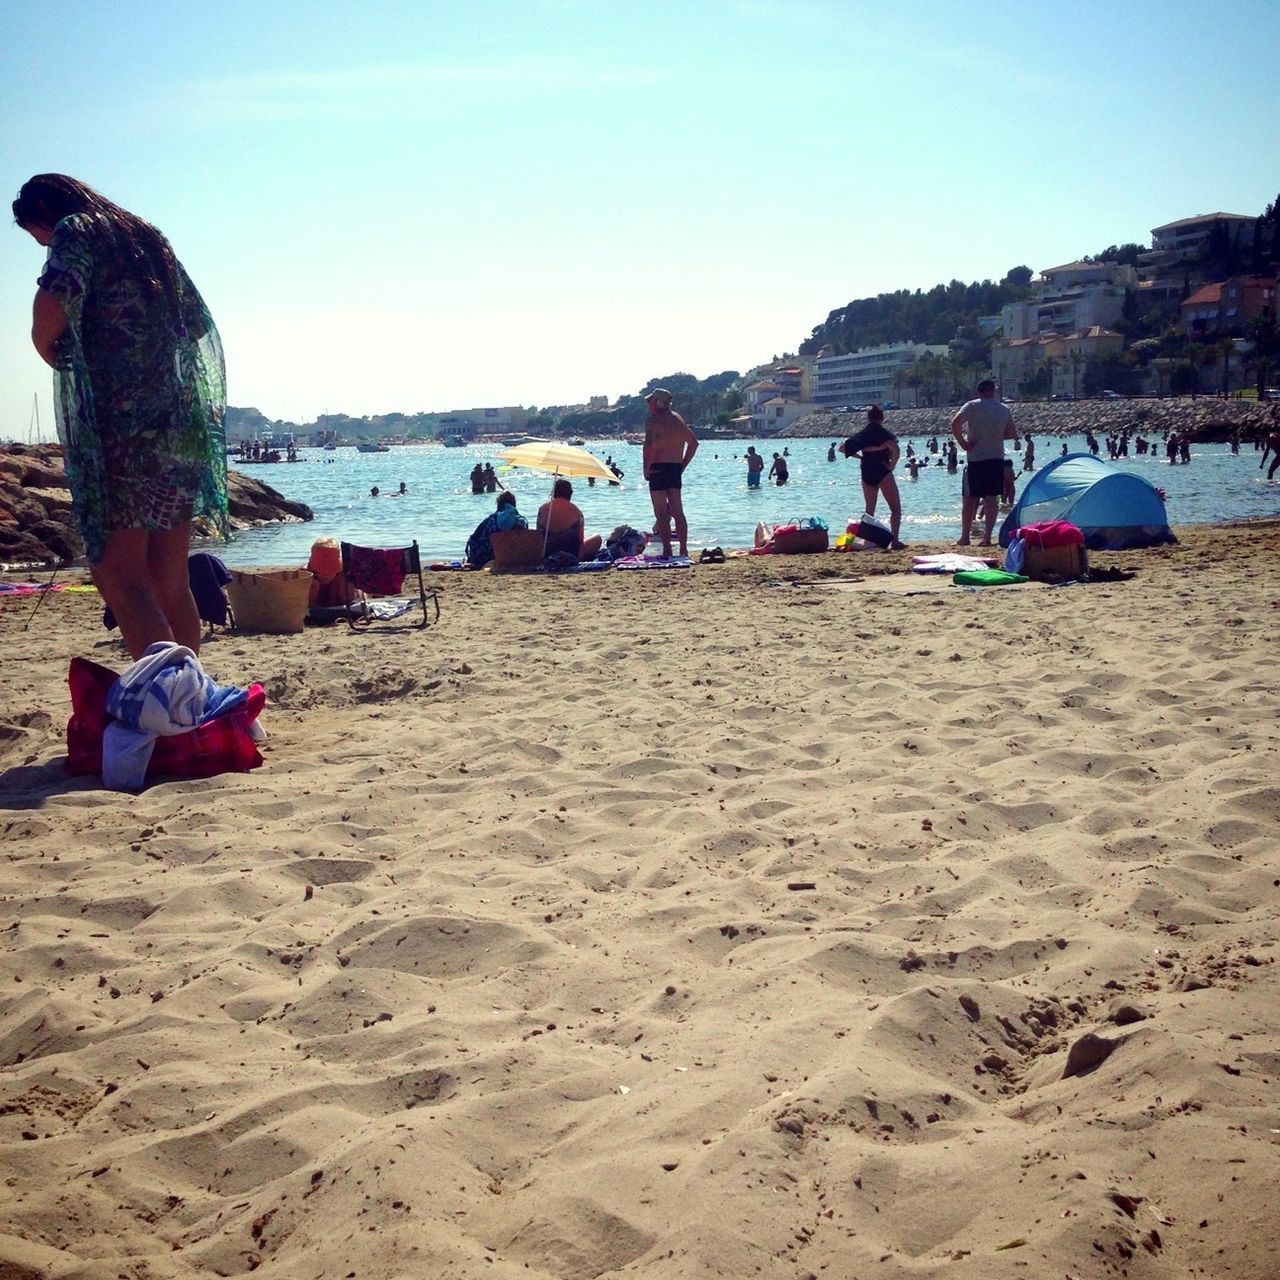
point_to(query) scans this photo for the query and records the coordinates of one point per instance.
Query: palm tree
(1077, 358)
(1226, 348)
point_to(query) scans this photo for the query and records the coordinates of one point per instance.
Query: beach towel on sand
(950, 562)
(654, 562)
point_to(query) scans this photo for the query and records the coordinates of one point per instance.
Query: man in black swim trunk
(981, 427)
(669, 446)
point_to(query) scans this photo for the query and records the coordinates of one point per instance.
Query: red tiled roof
(1205, 294)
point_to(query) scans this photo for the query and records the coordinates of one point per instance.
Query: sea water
(440, 511)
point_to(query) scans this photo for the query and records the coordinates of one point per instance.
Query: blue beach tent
(1114, 509)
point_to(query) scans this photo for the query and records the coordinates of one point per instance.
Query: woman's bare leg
(171, 583)
(123, 578)
(889, 487)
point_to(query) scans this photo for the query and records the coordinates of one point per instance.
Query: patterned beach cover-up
(139, 389)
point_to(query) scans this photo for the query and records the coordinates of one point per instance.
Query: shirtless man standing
(669, 446)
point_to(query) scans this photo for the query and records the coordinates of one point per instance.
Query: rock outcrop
(36, 527)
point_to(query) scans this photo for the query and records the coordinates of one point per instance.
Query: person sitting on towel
(561, 524)
(480, 545)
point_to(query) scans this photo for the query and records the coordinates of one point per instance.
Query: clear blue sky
(437, 205)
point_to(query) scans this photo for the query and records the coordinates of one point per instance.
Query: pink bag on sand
(1051, 533)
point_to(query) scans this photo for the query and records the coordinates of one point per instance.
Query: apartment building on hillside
(867, 376)
(1069, 298)
(1224, 309)
(1068, 357)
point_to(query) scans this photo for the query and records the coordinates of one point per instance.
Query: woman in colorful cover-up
(140, 393)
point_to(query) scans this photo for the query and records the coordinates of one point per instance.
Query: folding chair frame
(411, 564)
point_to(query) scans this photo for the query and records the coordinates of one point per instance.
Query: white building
(871, 375)
(1190, 236)
(1066, 299)
(768, 417)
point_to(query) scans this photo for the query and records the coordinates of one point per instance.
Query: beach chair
(381, 571)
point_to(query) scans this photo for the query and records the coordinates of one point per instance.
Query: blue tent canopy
(1114, 509)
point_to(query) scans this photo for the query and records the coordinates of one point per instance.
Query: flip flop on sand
(715, 555)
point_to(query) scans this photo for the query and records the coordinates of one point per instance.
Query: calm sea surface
(440, 510)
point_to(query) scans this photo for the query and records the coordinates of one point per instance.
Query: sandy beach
(792, 917)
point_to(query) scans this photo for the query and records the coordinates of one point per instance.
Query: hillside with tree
(932, 316)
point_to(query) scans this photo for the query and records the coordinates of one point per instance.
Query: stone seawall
(36, 527)
(1204, 417)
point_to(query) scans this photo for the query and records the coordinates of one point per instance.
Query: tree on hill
(931, 317)
(1124, 254)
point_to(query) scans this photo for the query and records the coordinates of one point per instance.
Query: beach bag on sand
(224, 745)
(625, 541)
(801, 537)
(870, 532)
(1053, 551)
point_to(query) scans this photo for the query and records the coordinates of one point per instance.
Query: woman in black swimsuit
(876, 448)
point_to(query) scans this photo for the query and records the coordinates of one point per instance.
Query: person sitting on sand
(502, 519)
(328, 586)
(561, 525)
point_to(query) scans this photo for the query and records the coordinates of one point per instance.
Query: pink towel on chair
(377, 570)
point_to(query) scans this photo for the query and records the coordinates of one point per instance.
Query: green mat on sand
(987, 578)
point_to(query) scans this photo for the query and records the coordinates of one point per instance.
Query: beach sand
(701, 923)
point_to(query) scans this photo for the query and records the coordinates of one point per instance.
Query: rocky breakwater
(36, 527)
(1204, 417)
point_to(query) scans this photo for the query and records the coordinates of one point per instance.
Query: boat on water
(454, 442)
(578, 443)
(510, 442)
(366, 446)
